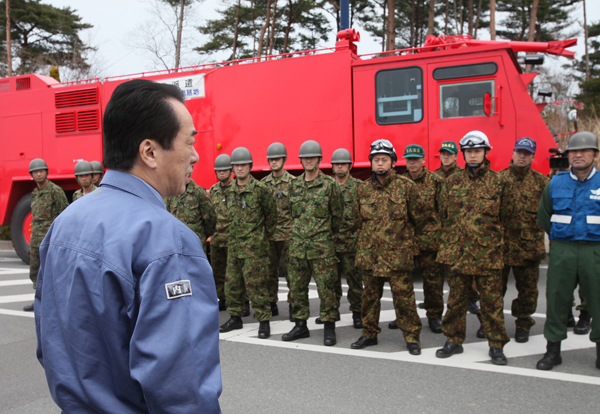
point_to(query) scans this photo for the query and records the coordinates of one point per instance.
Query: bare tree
(164, 36)
(532, 20)
(264, 29)
(585, 39)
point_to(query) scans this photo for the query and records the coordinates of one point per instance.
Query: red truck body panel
(330, 96)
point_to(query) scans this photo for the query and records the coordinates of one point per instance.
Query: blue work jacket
(576, 207)
(126, 309)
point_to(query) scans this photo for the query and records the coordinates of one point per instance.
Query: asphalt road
(272, 376)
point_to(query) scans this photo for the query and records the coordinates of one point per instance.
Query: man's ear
(148, 153)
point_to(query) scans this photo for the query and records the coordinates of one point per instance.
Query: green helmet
(310, 148)
(341, 156)
(37, 164)
(97, 167)
(241, 155)
(276, 150)
(83, 168)
(581, 140)
(223, 162)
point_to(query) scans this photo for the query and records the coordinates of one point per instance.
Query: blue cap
(525, 144)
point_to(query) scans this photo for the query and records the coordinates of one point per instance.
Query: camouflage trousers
(278, 254)
(403, 295)
(34, 264)
(324, 270)
(526, 280)
(248, 276)
(433, 284)
(218, 261)
(346, 265)
(472, 294)
(454, 324)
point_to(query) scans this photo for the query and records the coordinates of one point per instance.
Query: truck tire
(21, 236)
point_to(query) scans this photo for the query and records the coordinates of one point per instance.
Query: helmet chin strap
(341, 174)
(386, 172)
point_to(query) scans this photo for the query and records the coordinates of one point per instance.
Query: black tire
(22, 209)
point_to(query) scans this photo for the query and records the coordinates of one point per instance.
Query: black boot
(274, 309)
(246, 311)
(570, 320)
(222, 305)
(551, 357)
(598, 355)
(357, 319)
(299, 331)
(583, 324)
(28, 308)
(329, 334)
(435, 325)
(393, 324)
(235, 322)
(473, 308)
(291, 317)
(264, 330)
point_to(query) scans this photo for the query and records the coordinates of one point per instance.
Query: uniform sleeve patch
(178, 289)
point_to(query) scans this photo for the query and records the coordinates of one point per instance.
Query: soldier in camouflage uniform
(47, 201)
(471, 246)
(345, 240)
(83, 175)
(390, 210)
(98, 172)
(195, 209)
(317, 212)
(252, 214)
(523, 237)
(428, 237)
(448, 166)
(279, 182)
(219, 239)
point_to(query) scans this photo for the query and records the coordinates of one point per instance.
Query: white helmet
(383, 146)
(474, 139)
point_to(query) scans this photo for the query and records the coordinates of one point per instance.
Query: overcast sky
(114, 22)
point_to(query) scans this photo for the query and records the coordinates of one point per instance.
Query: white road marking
(7, 271)
(8, 259)
(11, 312)
(16, 282)
(28, 297)
(473, 358)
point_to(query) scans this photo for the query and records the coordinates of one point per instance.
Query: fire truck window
(399, 96)
(465, 71)
(460, 100)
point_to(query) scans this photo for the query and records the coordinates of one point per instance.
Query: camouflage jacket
(389, 214)
(317, 209)
(218, 196)
(431, 188)
(346, 238)
(79, 193)
(46, 205)
(195, 209)
(452, 170)
(252, 213)
(474, 216)
(280, 188)
(523, 236)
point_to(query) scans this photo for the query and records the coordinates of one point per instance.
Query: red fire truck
(423, 96)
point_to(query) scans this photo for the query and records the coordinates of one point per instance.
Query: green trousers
(571, 263)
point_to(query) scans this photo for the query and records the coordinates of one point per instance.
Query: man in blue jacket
(570, 213)
(125, 308)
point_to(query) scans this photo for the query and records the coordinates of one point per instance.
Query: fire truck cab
(423, 96)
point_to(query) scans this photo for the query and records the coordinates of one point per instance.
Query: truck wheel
(20, 227)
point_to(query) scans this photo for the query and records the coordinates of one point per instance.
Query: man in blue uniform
(122, 281)
(570, 213)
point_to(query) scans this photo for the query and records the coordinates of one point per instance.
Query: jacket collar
(133, 185)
